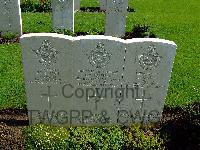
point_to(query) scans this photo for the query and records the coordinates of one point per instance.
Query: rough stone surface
(76, 4)
(95, 80)
(63, 14)
(116, 12)
(10, 18)
(103, 4)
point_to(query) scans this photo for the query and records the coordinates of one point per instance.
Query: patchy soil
(180, 128)
(11, 123)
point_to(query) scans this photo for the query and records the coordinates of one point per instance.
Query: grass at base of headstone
(8, 38)
(12, 93)
(89, 22)
(89, 3)
(84, 22)
(36, 22)
(44, 137)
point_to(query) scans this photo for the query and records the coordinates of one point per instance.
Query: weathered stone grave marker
(95, 80)
(77, 4)
(63, 14)
(103, 4)
(10, 19)
(116, 12)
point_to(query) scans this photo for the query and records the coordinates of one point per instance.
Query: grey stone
(76, 4)
(95, 80)
(116, 13)
(10, 19)
(63, 14)
(148, 66)
(103, 4)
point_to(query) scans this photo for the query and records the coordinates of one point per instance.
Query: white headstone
(103, 4)
(10, 18)
(63, 14)
(116, 13)
(95, 80)
(77, 4)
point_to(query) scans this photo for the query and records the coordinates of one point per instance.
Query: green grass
(36, 22)
(11, 80)
(89, 3)
(179, 21)
(41, 22)
(176, 20)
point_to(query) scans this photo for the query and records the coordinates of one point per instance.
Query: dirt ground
(11, 123)
(182, 128)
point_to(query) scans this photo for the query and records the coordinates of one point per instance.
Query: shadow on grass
(97, 9)
(91, 9)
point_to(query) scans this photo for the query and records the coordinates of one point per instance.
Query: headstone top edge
(155, 40)
(18, 1)
(99, 37)
(53, 35)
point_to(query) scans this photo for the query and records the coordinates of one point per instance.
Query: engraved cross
(142, 99)
(48, 95)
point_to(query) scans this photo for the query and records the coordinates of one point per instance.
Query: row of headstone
(63, 16)
(95, 80)
(116, 12)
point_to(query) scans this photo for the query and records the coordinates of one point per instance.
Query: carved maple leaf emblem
(46, 53)
(149, 59)
(99, 57)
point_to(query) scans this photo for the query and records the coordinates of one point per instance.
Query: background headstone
(63, 14)
(95, 80)
(77, 4)
(103, 4)
(10, 18)
(116, 13)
